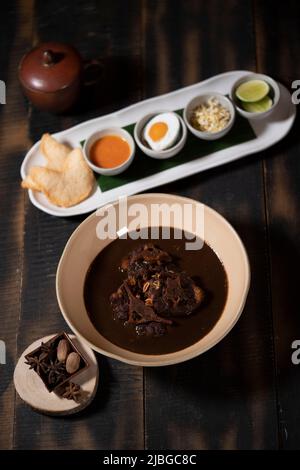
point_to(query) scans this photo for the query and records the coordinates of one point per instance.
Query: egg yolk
(158, 130)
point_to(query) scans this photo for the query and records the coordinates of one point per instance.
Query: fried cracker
(64, 188)
(54, 152)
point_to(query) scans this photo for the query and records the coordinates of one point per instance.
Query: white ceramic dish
(162, 154)
(268, 132)
(118, 131)
(201, 99)
(275, 90)
(84, 245)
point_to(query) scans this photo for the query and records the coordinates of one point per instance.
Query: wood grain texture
(225, 399)
(243, 394)
(277, 52)
(115, 419)
(15, 34)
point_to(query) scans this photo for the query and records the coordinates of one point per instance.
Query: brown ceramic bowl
(83, 246)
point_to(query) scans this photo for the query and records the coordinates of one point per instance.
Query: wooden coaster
(32, 391)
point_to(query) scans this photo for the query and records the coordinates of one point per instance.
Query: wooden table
(244, 393)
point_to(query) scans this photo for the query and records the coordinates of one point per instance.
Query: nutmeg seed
(63, 350)
(72, 363)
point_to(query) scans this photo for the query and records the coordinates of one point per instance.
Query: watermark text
(152, 221)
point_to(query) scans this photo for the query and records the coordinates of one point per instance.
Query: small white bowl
(118, 131)
(197, 101)
(159, 154)
(275, 95)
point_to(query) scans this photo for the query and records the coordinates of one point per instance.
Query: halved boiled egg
(162, 131)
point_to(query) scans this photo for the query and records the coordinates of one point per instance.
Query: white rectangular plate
(267, 131)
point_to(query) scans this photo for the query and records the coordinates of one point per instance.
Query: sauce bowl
(116, 131)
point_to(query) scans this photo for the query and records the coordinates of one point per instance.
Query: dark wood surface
(243, 394)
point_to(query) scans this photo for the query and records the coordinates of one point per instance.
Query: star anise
(72, 392)
(47, 349)
(56, 372)
(36, 363)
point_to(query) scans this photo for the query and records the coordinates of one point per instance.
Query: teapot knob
(48, 58)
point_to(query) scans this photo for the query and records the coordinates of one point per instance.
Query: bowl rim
(255, 76)
(170, 356)
(212, 135)
(113, 130)
(160, 153)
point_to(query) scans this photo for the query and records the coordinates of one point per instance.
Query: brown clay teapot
(51, 76)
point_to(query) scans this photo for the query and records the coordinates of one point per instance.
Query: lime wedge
(258, 107)
(253, 90)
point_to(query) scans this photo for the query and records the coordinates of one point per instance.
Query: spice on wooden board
(56, 361)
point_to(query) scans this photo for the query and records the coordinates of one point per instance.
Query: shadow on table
(110, 84)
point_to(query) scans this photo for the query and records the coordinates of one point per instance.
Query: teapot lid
(50, 66)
